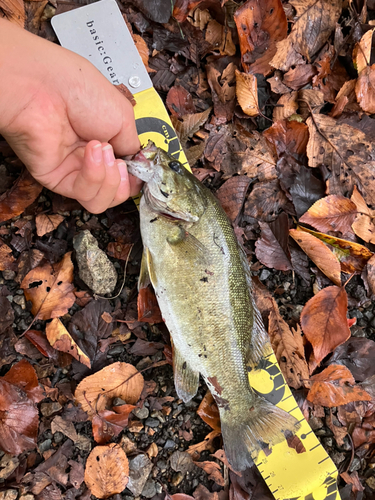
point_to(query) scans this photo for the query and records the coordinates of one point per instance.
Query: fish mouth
(141, 164)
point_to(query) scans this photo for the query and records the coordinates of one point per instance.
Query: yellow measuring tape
(310, 475)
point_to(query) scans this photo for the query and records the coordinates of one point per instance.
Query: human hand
(52, 104)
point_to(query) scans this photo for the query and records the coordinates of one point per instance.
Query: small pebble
(152, 422)
(9, 275)
(149, 489)
(338, 457)
(264, 274)
(370, 481)
(355, 465)
(315, 423)
(20, 300)
(142, 413)
(170, 444)
(45, 445)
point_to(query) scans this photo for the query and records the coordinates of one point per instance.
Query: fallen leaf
(266, 201)
(190, 124)
(143, 51)
(207, 444)
(295, 443)
(24, 376)
(352, 256)
(335, 386)
(260, 25)
(107, 424)
(370, 268)
(358, 355)
(50, 289)
(143, 348)
(148, 307)
(180, 102)
(315, 21)
(213, 470)
(288, 137)
(180, 461)
(364, 228)
(14, 10)
(107, 470)
(59, 424)
(309, 97)
(6, 257)
(288, 347)
(47, 223)
(324, 321)
(332, 213)
(362, 436)
(286, 106)
(346, 151)
(232, 195)
(299, 76)
(60, 339)
(220, 37)
(22, 194)
(116, 380)
(209, 412)
(272, 247)
(362, 51)
(277, 85)
(360, 203)
(319, 253)
(364, 89)
(247, 93)
(119, 250)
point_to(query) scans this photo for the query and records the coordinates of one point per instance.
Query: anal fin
(186, 379)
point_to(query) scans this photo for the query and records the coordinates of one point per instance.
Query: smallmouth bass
(202, 282)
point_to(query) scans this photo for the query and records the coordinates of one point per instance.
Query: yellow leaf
(60, 339)
(247, 93)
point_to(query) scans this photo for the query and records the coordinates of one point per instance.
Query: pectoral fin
(180, 240)
(186, 380)
(147, 273)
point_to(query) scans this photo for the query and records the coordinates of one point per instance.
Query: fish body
(202, 283)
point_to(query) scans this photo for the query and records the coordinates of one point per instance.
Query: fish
(202, 282)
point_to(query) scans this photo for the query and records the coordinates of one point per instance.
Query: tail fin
(245, 434)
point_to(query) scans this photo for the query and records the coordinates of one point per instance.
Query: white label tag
(99, 33)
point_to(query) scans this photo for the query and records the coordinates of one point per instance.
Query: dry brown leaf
(247, 93)
(370, 267)
(6, 257)
(50, 289)
(312, 97)
(335, 386)
(319, 253)
(272, 248)
(360, 203)
(232, 195)
(117, 380)
(343, 149)
(207, 444)
(220, 38)
(260, 25)
(352, 256)
(60, 339)
(286, 106)
(277, 84)
(143, 51)
(288, 347)
(209, 412)
(107, 470)
(213, 470)
(339, 106)
(324, 321)
(332, 213)
(180, 101)
(14, 10)
(364, 228)
(362, 51)
(288, 137)
(365, 89)
(47, 223)
(24, 192)
(315, 21)
(189, 125)
(299, 76)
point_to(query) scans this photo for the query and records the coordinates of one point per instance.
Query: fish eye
(175, 165)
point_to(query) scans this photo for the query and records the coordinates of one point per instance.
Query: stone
(149, 489)
(152, 422)
(141, 413)
(8, 495)
(140, 468)
(8, 274)
(95, 269)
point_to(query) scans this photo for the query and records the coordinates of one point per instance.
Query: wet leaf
(232, 195)
(358, 355)
(324, 321)
(247, 93)
(346, 151)
(299, 76)
(332, 213)
(60, 339)
(335, 386)
(209, 412)
(22, 194)
(120, 380)
(272, 247)
(352, 256)
(107, 424)
(180, 102)
(315, 21)
(266, 201)
(47, 223)
(24, 376)
(319, 253)
(206, 445)
(148, 307)
(288, 137)
(260, 25)
(107, 470)
(50, 289)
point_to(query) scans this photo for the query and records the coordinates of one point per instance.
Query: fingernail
(97, 153)
(123, 169)
(109, 157)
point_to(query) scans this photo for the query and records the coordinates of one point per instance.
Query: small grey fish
(202, 283)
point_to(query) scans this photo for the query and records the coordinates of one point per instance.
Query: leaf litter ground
(271, 101)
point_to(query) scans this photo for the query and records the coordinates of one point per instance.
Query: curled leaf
(59, 338)
(14, 201)
(247, 93)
